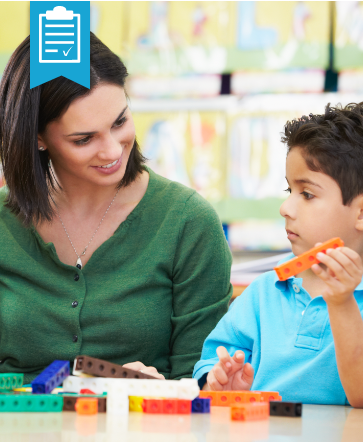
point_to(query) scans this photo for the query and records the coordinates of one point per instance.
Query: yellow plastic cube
(135, 403)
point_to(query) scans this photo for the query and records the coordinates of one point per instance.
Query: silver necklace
(79, 261)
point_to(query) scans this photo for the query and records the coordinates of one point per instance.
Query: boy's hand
(230, 373)
(342, 275)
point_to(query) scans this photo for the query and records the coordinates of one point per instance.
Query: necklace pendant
(79, 263)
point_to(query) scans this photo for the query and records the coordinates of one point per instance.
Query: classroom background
(211, 86)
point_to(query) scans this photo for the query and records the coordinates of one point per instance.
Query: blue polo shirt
(286, 336)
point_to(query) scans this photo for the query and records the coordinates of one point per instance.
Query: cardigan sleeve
(201, 283)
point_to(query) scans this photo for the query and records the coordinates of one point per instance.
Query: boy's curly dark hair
(332, 143)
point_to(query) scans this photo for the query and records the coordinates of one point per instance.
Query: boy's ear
(359, 220)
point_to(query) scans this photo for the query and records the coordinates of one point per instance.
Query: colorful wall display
(14, 27)
(188, 147)
(348, 35)
(217, 37)
(256, 158)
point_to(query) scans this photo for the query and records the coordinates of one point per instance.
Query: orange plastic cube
(245, 397)
(212, 395)
(170, 406)
(86, 406)
(184, 406)
(154, 406)
(250, 412)
(267, 396)
(223, 398)
(305, 260)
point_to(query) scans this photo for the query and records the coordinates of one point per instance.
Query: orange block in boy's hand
(306, 260)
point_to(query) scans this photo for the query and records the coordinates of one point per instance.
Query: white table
(319, 423)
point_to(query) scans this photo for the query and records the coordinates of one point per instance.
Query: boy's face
(314, 211)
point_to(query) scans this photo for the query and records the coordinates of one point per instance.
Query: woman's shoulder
(174, 194)
(3, 194)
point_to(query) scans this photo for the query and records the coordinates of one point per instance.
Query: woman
(99, 255)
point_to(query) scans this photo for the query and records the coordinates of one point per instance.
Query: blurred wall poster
(256, 158)
(215, 37)
(14, 27)
(188, 147)
(348, 35)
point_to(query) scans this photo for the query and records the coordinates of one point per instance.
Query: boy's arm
(237, 330)
(343, 274)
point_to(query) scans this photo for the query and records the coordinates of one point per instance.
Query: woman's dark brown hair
(25, 113)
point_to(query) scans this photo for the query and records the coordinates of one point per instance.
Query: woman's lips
(112, 169)
(291, 235)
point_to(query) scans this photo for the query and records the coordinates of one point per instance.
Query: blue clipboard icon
(59, 36)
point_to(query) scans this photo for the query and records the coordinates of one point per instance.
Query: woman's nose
(111, 148)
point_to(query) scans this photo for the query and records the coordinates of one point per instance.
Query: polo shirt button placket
(296, 288)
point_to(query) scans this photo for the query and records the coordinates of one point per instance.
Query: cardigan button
(74, 304)
(75, 338)
(76, 277)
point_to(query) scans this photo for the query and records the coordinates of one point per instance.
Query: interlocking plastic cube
(290, 409)
(305, 260)
(212, 395)
(188, 389)
(30, 403)
(135, 403)
(250, 412)
(154, 406)
(267, 396)
(170, 406)
(117, 402)
(69, 402)
(10, 381)
(184, 406)
(51, 377)
(86, 406)
(201, 405)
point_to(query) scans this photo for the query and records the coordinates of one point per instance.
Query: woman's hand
(139, 366)
(230, 373)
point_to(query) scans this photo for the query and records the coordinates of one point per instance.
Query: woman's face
(91, 142)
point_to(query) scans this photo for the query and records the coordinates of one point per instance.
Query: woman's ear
(41, 145)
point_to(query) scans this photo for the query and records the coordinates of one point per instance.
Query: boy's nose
(286, 209)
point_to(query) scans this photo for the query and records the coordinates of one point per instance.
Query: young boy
(304, 337)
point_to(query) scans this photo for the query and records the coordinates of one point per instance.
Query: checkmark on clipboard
(66, 53)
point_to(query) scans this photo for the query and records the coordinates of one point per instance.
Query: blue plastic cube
(51, 377)
(201, 405)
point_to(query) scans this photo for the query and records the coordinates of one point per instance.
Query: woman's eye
(307, 195)
(288, 190)
(120, 122)
(82, 141)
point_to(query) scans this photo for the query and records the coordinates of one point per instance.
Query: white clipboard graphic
(59, 36)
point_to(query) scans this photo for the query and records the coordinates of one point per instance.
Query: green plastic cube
(30, 403)
(9, 381)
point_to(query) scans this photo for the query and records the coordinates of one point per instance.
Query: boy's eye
(288, 190)
(307, 195)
